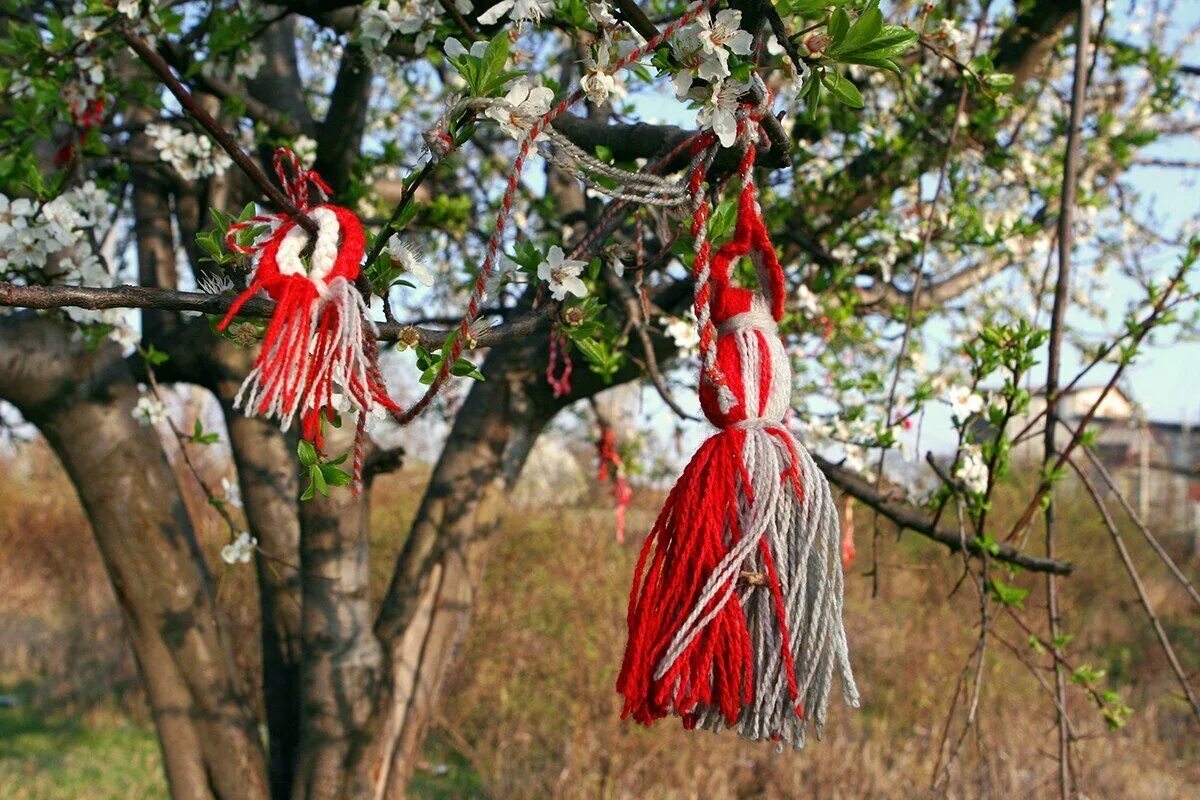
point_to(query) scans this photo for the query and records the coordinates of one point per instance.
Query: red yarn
(559, 380)
(622, 492)
(686, 544)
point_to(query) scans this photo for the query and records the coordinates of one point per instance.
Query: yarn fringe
(735, 618)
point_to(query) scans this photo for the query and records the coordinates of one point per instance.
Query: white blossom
(720, 111)
(964, 403)
(950, 32)
(598, 83)
(409, 259)
(972, 472)
(602, 14)
(517, 11)
(232, 492)
(191, 155)
(807, 302)
(530, 102)
(149, 411)
(723, 35)
(682, 331)
(240, 550)
(562, 274)
(128, 7)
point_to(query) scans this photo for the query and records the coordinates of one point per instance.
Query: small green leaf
(862, 33)
(317, 476)
(843, 89)
(306, 452)
(334, 476)
(839, 26)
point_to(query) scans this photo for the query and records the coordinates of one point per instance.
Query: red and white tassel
(320, 341)
(735, 616)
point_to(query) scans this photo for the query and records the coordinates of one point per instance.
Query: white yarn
(324, 252)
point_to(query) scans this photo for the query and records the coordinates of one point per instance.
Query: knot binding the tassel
(735, 616)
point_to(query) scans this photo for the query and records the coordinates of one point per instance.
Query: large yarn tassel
(735, 616)
(320, 341)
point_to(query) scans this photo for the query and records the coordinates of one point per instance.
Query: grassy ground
(98, 756)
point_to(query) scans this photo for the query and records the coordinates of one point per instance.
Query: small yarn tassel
(320, 341)
(735, 616)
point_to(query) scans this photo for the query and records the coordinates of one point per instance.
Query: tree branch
(48, 297)
(223, 137)
(917, 521)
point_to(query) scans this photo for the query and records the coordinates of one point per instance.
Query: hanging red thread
(319, 345)
(559, 379)
(491, 254)
(609, 457)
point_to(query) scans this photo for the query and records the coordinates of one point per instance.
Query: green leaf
(306, 452)
(317, 476)
(463, 368)
(1006, 594)
(154, 357)
(862, 33)
(839, 26)
(842, 89)
(871, 61)
(334, 476)
(891, 41)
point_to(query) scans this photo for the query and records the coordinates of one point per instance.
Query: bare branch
(917, 521)
(47, 297)
(1143, 598)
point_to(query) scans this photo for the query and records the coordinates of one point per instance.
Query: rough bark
(266, 473)
(82, 400)
(343, 665)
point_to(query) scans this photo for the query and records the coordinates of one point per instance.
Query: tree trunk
(343, 665)
(82, 399)
(266, 470)
(428, 605)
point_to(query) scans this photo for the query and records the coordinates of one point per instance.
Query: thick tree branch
(48, 297)
(917, 521)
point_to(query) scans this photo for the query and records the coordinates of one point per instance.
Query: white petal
(725, 126)
(682, 81)
(454, 48)
(575, 286)
(496, 12)
(741, 43)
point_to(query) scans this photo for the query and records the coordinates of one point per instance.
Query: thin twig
(223, 137)
(1150, 538)
(1127, 560)
(1062, 298)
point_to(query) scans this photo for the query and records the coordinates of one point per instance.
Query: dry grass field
(531, 712)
